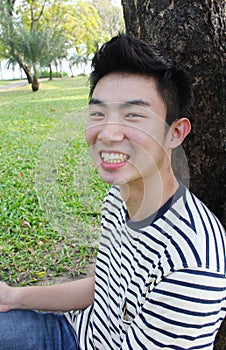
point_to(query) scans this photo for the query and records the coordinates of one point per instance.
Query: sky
(116, 2)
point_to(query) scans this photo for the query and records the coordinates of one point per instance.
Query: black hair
(126, 54)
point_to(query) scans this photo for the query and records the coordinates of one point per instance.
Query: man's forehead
(126, 88)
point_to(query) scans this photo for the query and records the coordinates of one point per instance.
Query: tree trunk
(71, 68)
(61, 68)
(27, 72)
(50, 72)
(1, 70)
(130, 13)
(193, 32)
(35, 84)
(32, 79)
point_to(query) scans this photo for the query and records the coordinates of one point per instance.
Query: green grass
(50, 193)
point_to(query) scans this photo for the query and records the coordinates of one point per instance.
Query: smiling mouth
(114, 158)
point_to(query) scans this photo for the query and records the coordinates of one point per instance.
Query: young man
(160, 271)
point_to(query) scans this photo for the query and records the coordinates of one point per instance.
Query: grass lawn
(50, 193)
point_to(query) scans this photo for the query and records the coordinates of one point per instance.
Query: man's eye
(96, 115)
(133, 116)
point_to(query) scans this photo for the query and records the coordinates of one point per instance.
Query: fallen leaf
(25, 224)
(41, 274)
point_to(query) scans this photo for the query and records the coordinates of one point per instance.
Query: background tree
(108, 22)
(193, 32)
(84, 30)
(37, 33)
(112, 21)
(1, 58)
(23, 37)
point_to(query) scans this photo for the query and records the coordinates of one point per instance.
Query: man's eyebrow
(138, 102)
(96, 101)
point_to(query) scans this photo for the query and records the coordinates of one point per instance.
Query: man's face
(126, 130)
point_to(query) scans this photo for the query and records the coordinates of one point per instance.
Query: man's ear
(178, 130)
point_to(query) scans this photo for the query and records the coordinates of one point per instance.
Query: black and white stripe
(160, 283)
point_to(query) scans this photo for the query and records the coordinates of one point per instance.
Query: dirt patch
(67, 277)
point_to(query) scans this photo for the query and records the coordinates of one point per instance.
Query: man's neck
(144, 199)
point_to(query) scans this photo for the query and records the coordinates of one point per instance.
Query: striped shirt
(160, 283)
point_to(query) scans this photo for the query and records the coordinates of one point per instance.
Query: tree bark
(35, 84)
(50, 72)
(193, 32)
(27, 72)
(130, 13)
(61, 68)
(30, 77)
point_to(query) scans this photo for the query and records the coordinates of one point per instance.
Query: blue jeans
(31, 330)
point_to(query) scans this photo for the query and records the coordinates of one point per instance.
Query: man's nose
(111, 132)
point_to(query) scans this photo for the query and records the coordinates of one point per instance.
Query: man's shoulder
(198, 209)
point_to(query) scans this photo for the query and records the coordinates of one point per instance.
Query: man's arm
(74, 295)
(184, 311)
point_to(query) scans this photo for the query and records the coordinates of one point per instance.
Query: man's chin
(112, 179)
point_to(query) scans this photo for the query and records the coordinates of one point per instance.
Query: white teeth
(113, 158)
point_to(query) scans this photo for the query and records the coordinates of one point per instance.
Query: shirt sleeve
(184, 311)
